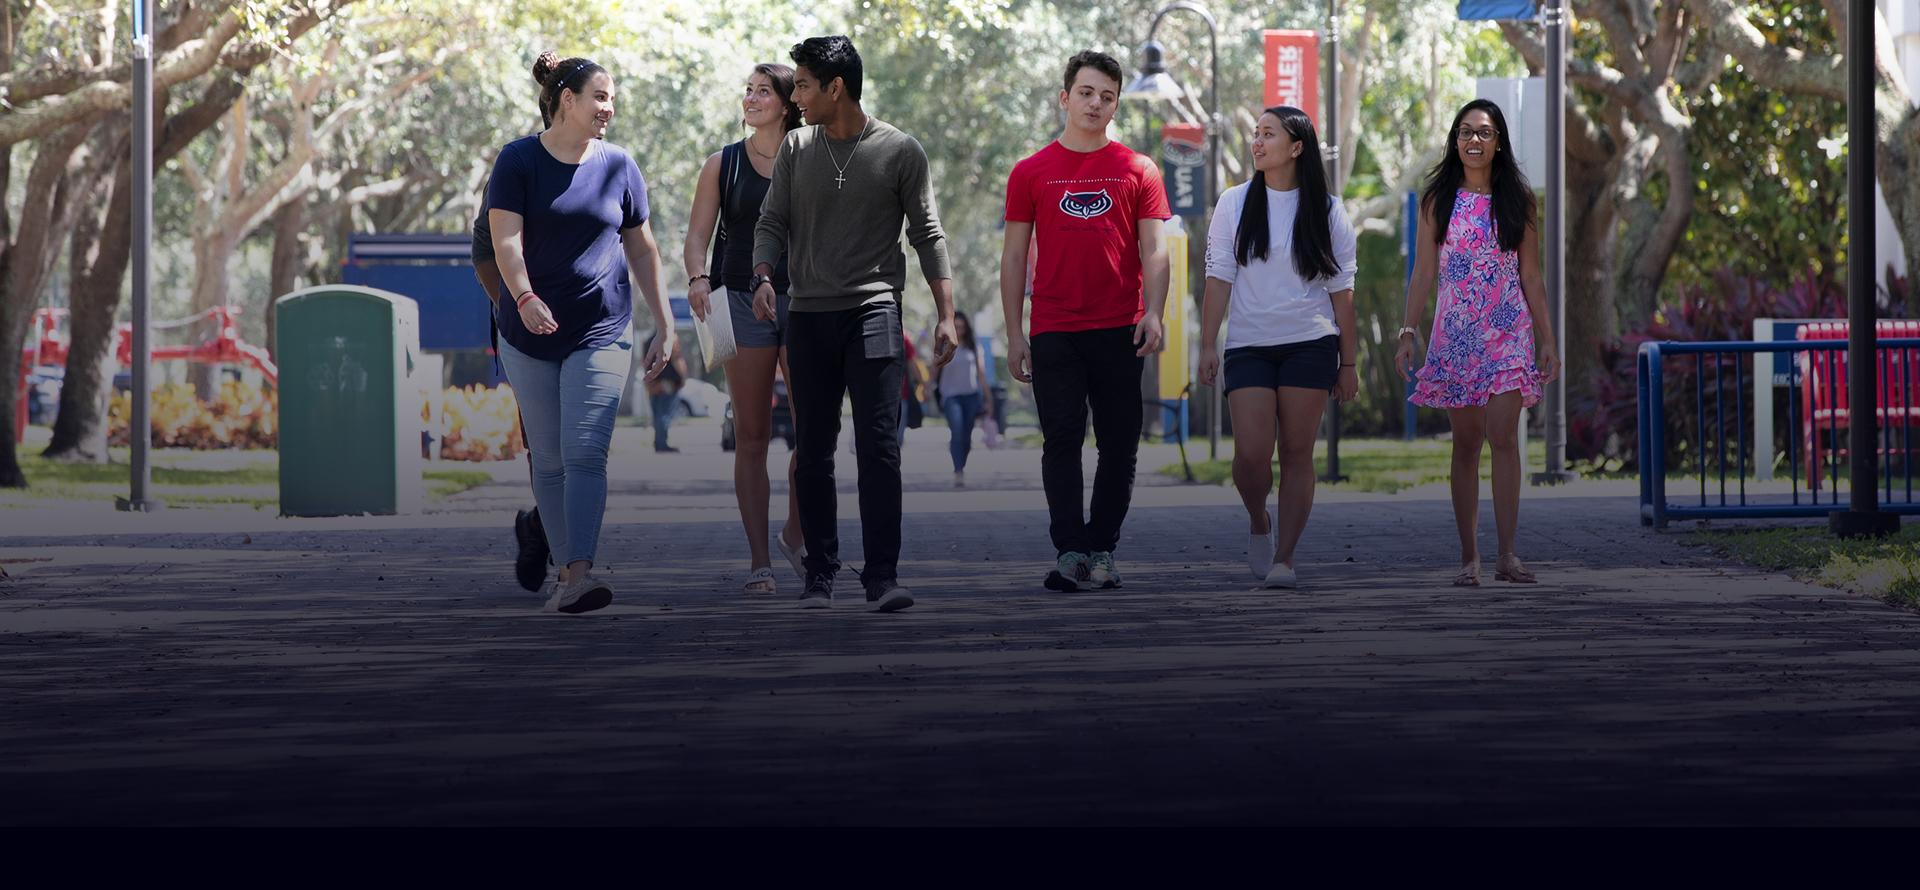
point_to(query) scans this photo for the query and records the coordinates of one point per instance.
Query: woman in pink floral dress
(1481, 356)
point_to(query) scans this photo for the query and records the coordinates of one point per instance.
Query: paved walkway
(242, 669)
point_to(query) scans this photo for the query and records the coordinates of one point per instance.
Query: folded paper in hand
(716, 333)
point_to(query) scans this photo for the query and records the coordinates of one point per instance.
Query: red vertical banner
(1293, 70)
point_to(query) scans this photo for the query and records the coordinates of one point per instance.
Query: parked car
(782, 419)
(699, 398)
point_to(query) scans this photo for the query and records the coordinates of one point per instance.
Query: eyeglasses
(1484, 135)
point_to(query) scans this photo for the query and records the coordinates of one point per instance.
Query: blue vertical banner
(1497, 10)
(1183, 159)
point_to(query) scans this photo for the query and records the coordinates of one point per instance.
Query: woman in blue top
(569, 216)
(726, 207)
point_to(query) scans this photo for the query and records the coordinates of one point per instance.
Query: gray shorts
(750, 332)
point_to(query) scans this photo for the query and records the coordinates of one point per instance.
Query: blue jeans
(662, 406)
(567, 408)
(960, 412)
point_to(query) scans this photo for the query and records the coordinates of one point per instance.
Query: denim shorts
(750, 332)
(1313, 364)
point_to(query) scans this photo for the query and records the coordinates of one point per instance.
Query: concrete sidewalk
(363, 671)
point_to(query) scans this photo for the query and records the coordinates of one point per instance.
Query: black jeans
(1072, 372)
(857, 352)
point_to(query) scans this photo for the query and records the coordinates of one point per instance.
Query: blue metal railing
(1709, 445)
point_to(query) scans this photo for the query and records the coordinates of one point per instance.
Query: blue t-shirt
(574, 215)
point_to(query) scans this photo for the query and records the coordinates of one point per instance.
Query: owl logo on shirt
(1086, 205)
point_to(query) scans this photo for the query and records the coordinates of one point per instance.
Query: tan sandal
(1469, 576)
(1510, 569)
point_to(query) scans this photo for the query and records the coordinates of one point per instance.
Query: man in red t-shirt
(1095, 211)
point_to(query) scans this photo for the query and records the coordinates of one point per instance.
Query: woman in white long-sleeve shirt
(1283, 277)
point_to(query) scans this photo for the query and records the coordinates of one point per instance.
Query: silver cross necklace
(839, 169)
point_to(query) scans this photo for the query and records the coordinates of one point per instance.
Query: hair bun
(543, 67)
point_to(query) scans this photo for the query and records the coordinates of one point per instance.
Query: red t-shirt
(1086, 209)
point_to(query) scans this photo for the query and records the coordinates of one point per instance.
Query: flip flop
(1511, 570)
(761, 581)
(795, 555)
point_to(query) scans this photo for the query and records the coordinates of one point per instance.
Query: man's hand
(1150, 335)
(1019, 358)
(763, 305)
(659, 355)
(946, 339)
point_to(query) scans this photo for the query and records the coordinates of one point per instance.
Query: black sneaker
(530, 565)
(888, 596)
(819, 593)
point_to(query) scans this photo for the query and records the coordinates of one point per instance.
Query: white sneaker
(1282, 575)
(959, 479)
(583, 594)
(1260, 550)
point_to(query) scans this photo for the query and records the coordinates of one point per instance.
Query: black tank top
(742, 191)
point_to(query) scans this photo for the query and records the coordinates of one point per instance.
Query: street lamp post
(1154, 83)
(1553, 15)
(1332, 129)
(1863, 518)
(140, 425)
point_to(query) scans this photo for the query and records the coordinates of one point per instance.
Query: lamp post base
(1555, 477)
(129, 505)
(1854, 524)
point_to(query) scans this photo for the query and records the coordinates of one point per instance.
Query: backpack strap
(729, 176)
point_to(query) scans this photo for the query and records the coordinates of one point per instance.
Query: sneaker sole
(893, 602)
(590, 601)
(816, 602)
(1062, 583)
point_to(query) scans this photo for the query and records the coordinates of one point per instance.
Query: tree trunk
(46, 211)
(1899, 163)
(101, 253)
(289, 259)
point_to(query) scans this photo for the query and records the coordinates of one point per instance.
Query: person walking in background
(663, 395)
(569, 219)
(1281, 249)
(842, 190)
(963, 396)
(1096, 210)
(1478, 239)
(726, 206)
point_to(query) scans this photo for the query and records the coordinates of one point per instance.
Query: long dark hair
(1512, 195)
(781, 76)
(554, 74)
(1312, 235)
(967, 338)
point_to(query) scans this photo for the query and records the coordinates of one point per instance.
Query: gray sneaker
(1100, 571)
(1071, 572)
(819, 593)
(888, 596)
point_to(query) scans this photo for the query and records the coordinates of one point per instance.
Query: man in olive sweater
(841, 192)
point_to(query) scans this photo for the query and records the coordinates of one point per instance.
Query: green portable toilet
(349, 404)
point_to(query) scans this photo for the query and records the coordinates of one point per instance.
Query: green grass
(1888, 568)
(184, 478)
(1374, 465)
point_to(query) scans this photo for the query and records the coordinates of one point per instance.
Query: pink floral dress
(1482, 341)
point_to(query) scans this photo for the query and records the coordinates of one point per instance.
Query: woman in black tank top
(726, 207)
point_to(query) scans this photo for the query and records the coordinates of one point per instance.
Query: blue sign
(1183, 157)
(1497, 10)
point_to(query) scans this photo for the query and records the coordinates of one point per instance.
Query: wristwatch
(760, 280)
(1405, 331)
